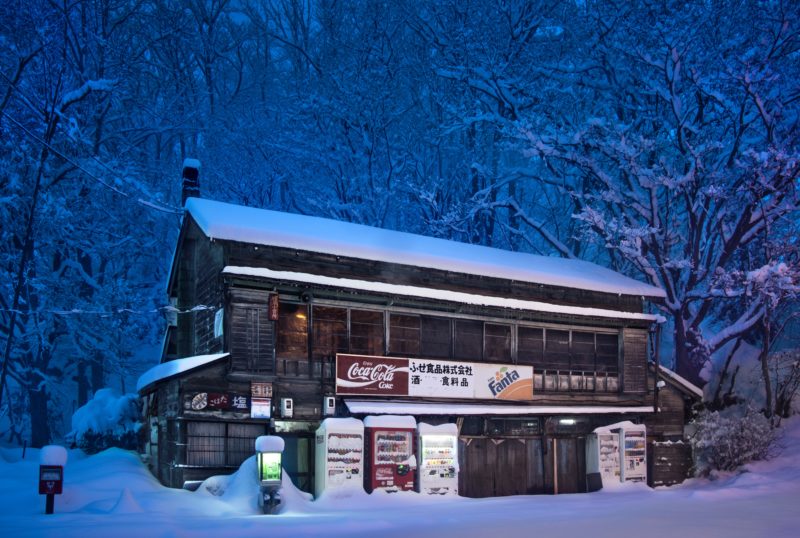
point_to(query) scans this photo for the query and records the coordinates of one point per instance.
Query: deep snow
(112, 494)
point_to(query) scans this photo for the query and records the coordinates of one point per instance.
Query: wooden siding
(252, 338)
(634, 356)
(668, 463)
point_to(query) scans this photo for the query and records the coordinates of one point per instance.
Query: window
(404, 335)
(608, 353)
(436, 339)
(330, 331)
(530, 343)
(556, 350)
(498, 342)
(205, 444)
(582, 351)
(292, 331)
(219, 444)
(469, 340)
(366, 332)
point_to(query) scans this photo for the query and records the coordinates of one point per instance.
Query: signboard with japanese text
(422, 378)
(260, 407)
(202, 401)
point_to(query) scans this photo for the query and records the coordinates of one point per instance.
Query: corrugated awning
(464, 409)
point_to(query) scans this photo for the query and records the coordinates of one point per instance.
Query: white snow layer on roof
(171, 368)
(442, 429)
(348, 425)
(413, 408)
(430, 293)
(390, 421)
(219, 220)
(269, 443)
(53, 455)
(624, 425)
(682, 381)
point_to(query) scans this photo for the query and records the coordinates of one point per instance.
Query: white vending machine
(615, 454)
(339, 455)
(438, 459)
(633, 446)
(602, 459)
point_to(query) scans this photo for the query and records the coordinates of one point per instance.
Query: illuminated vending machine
(603, 467)
(438, 459)
(633, 451)
(339, 456)
(391, 463)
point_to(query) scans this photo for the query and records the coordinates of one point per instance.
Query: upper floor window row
(319, 331)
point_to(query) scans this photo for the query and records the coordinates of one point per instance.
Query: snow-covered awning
(430, 293)
(230, 222)
(419, 408)
(682, 382)
(175, 367)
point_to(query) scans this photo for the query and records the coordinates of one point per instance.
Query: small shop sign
(217, 401)
(390, 376)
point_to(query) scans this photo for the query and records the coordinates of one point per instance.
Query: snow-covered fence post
(52, 460)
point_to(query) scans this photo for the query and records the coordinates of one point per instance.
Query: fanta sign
(390, 376)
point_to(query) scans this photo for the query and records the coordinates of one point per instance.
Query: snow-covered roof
(269, 443)
(178, 366)
(440, 429)
(418, 408)
(347, 425)
(431, 293)
(219, 220)
(624, 425)
(682, 381)
(390, 421)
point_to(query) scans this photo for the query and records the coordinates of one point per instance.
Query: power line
(80, 311)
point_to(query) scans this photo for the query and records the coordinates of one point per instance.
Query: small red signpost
(51, 483)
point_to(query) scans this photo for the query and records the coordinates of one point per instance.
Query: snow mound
(53, 455)
(107, 411)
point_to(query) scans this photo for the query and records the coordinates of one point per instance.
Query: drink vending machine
(633, 444)
(438, 459)
(615, 454)
(391, 463)
(339, 455)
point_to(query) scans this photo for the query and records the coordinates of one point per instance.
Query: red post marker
(51, 483)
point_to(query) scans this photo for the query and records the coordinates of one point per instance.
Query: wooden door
(567, 465)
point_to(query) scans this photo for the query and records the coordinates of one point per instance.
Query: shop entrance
(298, 460)
(523, 466)
(500, 467)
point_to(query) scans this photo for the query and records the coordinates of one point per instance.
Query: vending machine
(633, 445)
(602, 459)
(390, 460)
(438, 459)
(339, 456)
(615, 454)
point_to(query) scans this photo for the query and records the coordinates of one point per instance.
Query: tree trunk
(765, 345)
(40, 425)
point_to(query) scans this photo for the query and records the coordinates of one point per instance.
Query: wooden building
(269, 302)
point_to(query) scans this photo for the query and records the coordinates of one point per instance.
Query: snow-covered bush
(107, 420)
(728, 440)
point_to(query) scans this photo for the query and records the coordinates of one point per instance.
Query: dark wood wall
(634, 357)
(668, 463)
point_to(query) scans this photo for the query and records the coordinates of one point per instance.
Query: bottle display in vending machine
(615, 454)
(438, 459)
(339, 455)
(634, 451)
(602, 459)
(390, 458)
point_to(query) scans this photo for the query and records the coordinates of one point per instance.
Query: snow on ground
(112, 494)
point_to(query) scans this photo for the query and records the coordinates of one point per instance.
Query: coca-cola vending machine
(339, 455)
(438, 459)
(390, 460)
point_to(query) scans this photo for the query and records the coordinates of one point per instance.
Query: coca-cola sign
(374, 376)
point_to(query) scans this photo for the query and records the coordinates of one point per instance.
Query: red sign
(373, 376)
(51, 479)
(274, 304)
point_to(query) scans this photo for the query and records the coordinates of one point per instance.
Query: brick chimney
(191, 180)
